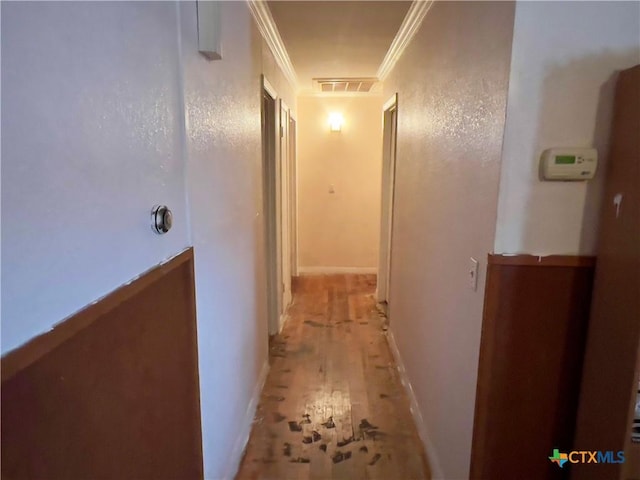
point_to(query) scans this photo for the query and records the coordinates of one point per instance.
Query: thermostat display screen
(565, 159)
(568, 163)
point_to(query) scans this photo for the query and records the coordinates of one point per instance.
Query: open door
(610, 390)
(390, 119)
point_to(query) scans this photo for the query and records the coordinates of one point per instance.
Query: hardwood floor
(333, 405)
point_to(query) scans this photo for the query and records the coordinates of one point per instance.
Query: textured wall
(91, 140)
(339, 229)
(560, 95)
(108, 109)
(223, 141)
(452, 91)
(222, 104)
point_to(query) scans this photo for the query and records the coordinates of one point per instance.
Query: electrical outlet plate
(473, 274)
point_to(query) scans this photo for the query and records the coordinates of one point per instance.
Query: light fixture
(336, 120)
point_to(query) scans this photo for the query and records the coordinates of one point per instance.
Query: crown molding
(269, 30)
(410, 25)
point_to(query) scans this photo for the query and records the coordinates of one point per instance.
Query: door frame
(389, 142)
(277, 204)
(284, 186)
(293, 128)
(270, 143)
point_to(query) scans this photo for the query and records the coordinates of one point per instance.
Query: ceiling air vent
(349, 85)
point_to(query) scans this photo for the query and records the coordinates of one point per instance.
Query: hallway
(204, 204)
(333, 405)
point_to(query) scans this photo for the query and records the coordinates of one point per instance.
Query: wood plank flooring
(333, 405)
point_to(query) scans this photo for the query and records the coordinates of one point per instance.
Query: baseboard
(432, 458)
(282, 321)
(339, 270)
(285, 315)
(247, 422)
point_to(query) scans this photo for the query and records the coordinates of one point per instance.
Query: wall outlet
(473, 274)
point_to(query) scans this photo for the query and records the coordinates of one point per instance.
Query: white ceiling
(337, 38)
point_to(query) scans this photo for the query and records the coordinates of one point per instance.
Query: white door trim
(285, 209)
(293, 156)
(392, 102)
(389, 113)
(269, 88)
(270, 208)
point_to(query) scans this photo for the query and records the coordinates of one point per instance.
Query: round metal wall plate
(161, 219)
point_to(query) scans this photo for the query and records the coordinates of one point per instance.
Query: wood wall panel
(533, 334)
(112, 392)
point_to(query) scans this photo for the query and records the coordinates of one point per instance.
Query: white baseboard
(343, 270)
(285, 316)
(245, 428)
(283, 319)
(432, 458)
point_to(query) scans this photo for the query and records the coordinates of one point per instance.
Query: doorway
(390, 122)
(294, 196)
(268, 117)
(284, 184)
(277, 201)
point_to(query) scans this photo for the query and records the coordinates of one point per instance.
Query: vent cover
(339, 85)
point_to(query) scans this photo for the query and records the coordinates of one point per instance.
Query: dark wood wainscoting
(113, 391)
(533, 335)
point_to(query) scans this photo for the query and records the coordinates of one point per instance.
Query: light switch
(473, 274)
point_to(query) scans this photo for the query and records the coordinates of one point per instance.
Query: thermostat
(568, 163)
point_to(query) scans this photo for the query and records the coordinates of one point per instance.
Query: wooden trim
(37, 347)
(533, 334)
(542, 260)
(115, 391)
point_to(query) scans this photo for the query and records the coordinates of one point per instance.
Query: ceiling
(337, 38)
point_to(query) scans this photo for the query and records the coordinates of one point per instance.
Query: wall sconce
(336, 120)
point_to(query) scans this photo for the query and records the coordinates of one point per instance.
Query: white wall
(108, 109)
(222, 100)
(452, 92)
(91, 140)
(561, 88)
(222, 105)
(339, 231)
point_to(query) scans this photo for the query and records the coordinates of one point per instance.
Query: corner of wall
(423, 430)
(242, 439)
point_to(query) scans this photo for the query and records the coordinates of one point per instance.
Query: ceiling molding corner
(269, 31)
(410, 25)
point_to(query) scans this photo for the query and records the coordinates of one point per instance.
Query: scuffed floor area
(333, 406)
